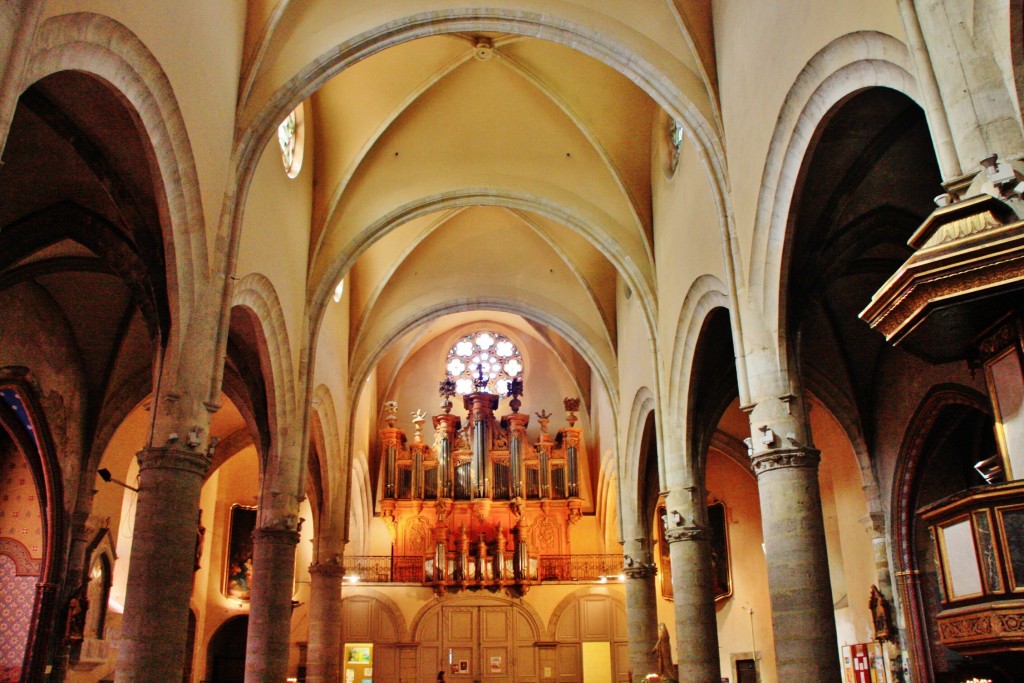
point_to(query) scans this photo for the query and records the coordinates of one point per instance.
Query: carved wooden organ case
(481, 505)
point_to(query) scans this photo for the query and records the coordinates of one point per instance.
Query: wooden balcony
(378, 569)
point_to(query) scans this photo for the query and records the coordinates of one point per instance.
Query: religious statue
(77, 609)
(880, 615)
(663, 648)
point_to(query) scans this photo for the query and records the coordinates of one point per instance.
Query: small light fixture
(351, 578)
(991, 469)
(105, 476)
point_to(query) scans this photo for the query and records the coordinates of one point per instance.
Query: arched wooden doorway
(589, 629)
(485, 639)
(375, 625)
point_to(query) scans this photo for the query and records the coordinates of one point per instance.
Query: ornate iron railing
(411, 569)
(369, 568)
(578, 567)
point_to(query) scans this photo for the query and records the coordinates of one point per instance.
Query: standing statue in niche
(880, 614)
(667, 671)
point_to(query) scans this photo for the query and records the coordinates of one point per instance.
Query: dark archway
(951, 430)
(865, 187)
(225, 655)
(713, 384)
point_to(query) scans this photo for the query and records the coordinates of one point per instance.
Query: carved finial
(446, 389)
(418, 417)
(390, 412)
(571, 406)
(543, 417)
(515, 390)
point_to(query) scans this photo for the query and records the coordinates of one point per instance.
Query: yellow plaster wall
(687, 232)
(844, 506)
(129, 437)
(275, 232)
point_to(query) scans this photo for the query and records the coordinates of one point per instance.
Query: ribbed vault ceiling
(487, 170)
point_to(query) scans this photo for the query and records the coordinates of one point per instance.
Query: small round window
(492, 354)
(290, 138)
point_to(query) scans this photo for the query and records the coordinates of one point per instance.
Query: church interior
(542, 341)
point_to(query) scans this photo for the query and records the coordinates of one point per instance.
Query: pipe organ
(480, 505)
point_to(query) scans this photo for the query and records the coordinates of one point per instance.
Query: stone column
(270, 606)
(641, 608)
(81, 534)
(323, 661)
(798, 577)
(155, 625)
(693, 595)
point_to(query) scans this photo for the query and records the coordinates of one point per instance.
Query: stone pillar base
(798, 575)
(323, 658)
(693, 592)
(270, 610)
(641, 616)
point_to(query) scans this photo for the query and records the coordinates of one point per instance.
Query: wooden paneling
(596, 620)
(479, 634)
(567, 662)
(356, 622)
(590, 618)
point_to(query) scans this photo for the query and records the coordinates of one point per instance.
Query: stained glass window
(290, 140)
(494, 353)
(675, 139)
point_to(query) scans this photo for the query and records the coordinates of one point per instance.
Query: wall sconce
(991, 469)
(676, 518)
(105, 476)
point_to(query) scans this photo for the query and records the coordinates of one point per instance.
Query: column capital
(328, 569)
(271, 535)
(785, 457)
(686, 533)
(639, 570)
(173, 458)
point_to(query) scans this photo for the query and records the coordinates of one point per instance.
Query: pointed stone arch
(107, 50)
(641, 415)
(706, 295)
(849, 64)
(903, 509)
(336, 473)
(282, 464)
(30, 433)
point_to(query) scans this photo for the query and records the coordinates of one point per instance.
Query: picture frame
(237, 584)
(721, 567)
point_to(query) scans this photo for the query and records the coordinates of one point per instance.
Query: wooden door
(485, 643)
(496, 645)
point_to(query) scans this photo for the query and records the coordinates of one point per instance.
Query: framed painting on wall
(721, 572)
(238, 559)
